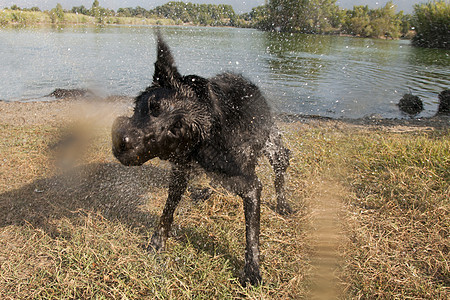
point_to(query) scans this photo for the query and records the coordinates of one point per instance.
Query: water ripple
(324, 75)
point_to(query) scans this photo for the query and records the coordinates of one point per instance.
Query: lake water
(304, 74)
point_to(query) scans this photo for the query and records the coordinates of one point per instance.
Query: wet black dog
(222, 124)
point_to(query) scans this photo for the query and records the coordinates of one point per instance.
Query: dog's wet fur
(222, 124)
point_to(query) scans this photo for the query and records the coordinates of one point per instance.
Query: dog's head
(170, 117)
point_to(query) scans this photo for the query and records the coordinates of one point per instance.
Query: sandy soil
(64, 111)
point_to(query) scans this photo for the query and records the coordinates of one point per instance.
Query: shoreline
(170, 22)
(65, 110)
(43, 19)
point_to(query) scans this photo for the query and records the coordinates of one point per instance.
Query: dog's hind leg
(252, 211)
(278, 156)
(249, 189)
(177, 187)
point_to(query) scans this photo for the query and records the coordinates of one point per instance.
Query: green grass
(23, 17)
(80, 233)
(27, 18)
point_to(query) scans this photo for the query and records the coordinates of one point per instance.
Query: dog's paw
(157, 243)
(251, 275)
(284, 209)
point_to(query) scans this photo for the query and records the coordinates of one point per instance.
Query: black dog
(222, 124)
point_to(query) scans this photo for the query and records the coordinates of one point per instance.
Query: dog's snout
(118, 142)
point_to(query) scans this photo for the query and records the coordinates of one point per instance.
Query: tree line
(187, 13)
(428, 26)
(180, 12)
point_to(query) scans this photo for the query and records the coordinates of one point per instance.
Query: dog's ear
(166, 73)
(180, 129)
(185, 130)
(198, 84)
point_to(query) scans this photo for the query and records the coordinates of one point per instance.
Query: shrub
(5, 17)
(432, 25)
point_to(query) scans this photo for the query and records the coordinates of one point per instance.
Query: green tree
(385, 21)
(80, 10)
(202, 14)
(96, 12)
(318, 15)
(380, 22)
(95, 9)
(125, 12)
(432, 25)
(405, 25)
(99, 12)
(337, 17)
(57, 14)
(284, 15)
(257, 18)
(357, 21)
(310, 16)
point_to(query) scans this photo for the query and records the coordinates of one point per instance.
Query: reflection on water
(308, 74)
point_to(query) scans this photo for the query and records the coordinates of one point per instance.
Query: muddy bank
(436, 122)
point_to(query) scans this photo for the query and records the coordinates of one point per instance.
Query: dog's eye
(154, 109)
(177, 125)
(176, 129)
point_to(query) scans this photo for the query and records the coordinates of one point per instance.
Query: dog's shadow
(204, 242)
(114, 191)
(110, 189)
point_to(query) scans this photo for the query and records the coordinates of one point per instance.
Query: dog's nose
(120, 143)
(125, 144)
(121, 137)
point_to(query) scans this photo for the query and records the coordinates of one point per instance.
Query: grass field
(73, 221)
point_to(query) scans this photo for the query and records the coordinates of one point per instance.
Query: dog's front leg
(177, 187)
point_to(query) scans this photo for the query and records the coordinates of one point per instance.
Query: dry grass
(399, 237)
(78, 230)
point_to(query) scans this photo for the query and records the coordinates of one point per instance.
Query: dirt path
(326, 237)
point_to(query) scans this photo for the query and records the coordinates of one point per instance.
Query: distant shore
(38, 18)
(24, 18)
